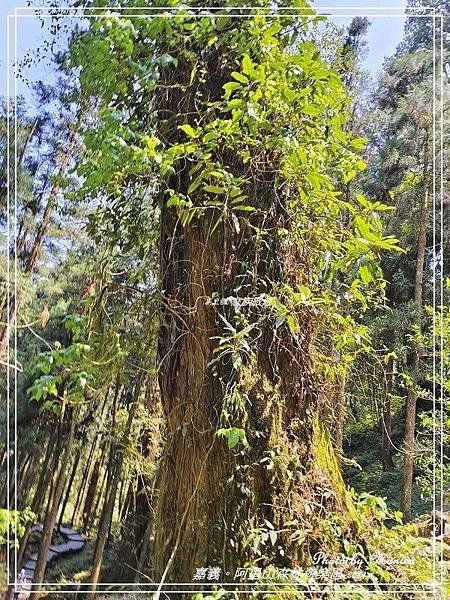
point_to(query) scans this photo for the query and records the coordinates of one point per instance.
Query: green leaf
(239, 77)
(236, 361)
(244, 207)
(217, 174)
(234, 436)
(365, 274)
(210, 136)
(214, 189)
(195, 184)
(188, 130)
(247, 65)
(292, 324)
(230, 87)
(358, 143)
(311, 110)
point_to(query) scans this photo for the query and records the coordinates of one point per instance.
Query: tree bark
(89, 472)
(84, 481)
(137, 519)
(89, 501)
(144, 539)
(91, 516)
(24, 488)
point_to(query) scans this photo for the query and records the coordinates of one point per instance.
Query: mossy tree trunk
(213, 501)
(210, 498)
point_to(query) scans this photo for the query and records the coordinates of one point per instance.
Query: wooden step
(74, 542)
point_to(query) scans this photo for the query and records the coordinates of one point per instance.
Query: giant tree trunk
(411, 400)
(212, 499)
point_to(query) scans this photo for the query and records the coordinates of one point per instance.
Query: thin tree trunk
(3, 478)
(386, 420)
(88, 470)
(21, 478)
(30, 264)
(411, 400)
(44, 478)
(24, 230)
(143, 550)
(27, 141)
(4, 455)
(89, 501)
(22, 468)
(26, 485)
(93, 513)
(137, 516)
(108, 506)
(143, 554)
(69, 486)
(85, 482)
(45, 222)
(10, 488)
(109, 465)
(52, 511)
(120, 505)
(340, 412)
(3, 179)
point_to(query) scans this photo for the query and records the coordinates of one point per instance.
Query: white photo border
(44, 12)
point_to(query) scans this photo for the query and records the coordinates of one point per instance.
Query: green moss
(326, 464)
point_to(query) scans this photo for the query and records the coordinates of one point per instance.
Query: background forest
(226, 365)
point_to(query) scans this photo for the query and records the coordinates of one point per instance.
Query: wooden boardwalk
(73, 542)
